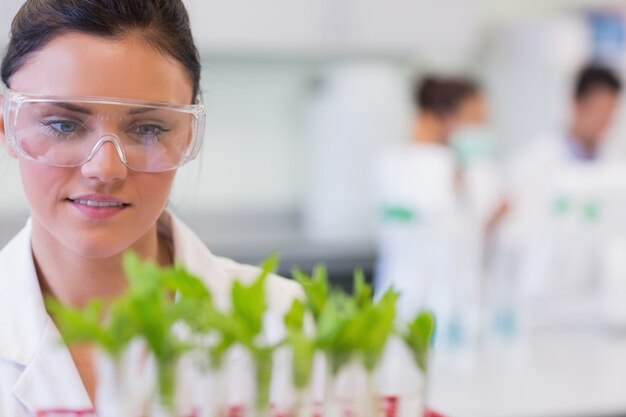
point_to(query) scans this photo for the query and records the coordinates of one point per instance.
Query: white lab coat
(532, 172)
(426, 242)
(420, 231)
(549, 241)
(37, 372)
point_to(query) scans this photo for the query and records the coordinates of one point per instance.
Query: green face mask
(472, 144)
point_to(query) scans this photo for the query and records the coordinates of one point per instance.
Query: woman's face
(83, 65)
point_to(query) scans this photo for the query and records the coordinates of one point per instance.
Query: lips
(99, 200)
(92, 203)
(99, 206)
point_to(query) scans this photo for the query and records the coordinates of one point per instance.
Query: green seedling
(418, 336)
(316, 288)
(147, 310)
(346, 325)
(302, 346)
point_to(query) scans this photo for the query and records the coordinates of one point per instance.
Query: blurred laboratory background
(511, 226)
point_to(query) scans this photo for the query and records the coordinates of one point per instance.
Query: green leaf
(330, 324)
(78, 326)
(142, 277)
(269, 265)
(294, 318)
(418, 336)
(248, 301)
(249, 306)
(186, 284)
(316, 288)
(362, 291)
(379, 320)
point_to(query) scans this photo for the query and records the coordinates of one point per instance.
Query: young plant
(316, 288)
(347, 325)
(418, 335)
(302, 346)
(243, 325)
(147, 310)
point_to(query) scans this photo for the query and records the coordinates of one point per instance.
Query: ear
(3, 137)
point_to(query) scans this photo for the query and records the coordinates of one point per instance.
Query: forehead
(76, 64)
(599, 95)
(472, 108)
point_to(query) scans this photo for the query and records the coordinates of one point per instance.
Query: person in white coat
(556, 186)
(99, 111)
(423, 247)
(595, 99)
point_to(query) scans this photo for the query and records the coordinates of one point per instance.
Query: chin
(99, 249)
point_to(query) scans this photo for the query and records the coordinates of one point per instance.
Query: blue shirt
(579, 152)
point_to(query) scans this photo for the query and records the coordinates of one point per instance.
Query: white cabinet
(260, 25)
(304, 27)
(415, 27)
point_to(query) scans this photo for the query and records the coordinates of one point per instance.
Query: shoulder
(280, 291)
(541, 152)
(219, 273)
(18, 243)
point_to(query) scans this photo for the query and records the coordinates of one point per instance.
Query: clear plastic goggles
(69, 131)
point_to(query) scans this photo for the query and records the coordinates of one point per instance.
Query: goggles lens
(67, 132)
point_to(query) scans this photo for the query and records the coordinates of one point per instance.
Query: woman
(99, 114)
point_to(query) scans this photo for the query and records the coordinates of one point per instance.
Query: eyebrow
(73, 107)
(140, 110)
(84, 110)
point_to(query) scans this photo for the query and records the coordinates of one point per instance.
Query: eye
(149, 132)
(61, 126)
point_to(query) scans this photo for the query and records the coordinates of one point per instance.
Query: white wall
(529, 74)
(250, 158)
(251, 154)
(12, 197)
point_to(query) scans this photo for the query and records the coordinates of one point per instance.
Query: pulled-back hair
(442, 95)
(163, 24)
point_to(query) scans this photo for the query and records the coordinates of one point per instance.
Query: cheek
(155, 189)
(599, 121)
(39, 181)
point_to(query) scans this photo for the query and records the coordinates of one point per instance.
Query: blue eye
(61, 127)
(149, 133)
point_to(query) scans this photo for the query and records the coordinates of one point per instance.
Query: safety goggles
(69, 131)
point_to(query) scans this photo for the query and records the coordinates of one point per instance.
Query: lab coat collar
(50, 380)
(191, 252)
(29, 338)
(23, 317)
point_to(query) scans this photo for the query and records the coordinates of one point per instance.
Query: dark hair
(593, 77)
(442, 95)
(163, 24)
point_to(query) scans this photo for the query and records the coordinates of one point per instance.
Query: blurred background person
(478, 168)
(594, 102)
(566, 190)
(429, 241)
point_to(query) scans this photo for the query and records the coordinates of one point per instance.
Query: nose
(106, 163)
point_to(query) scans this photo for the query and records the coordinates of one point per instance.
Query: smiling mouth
(99, 204)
